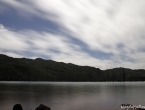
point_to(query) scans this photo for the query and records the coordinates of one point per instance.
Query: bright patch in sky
(96, 33)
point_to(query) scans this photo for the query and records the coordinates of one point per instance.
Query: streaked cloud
(42, 44)
(113, 27)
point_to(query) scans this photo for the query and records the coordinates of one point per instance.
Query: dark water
(71, 95)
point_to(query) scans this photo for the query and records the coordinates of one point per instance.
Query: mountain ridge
(25, 69)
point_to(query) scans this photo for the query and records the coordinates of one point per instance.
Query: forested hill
(23, 69)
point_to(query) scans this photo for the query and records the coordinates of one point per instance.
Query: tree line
(23, 69)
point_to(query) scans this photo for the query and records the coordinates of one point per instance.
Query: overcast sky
(98, 33)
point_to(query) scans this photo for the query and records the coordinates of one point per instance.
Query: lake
(71, 95)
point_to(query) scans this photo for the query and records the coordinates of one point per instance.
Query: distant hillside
(23, 69)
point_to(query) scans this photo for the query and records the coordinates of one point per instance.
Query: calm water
(71, 95)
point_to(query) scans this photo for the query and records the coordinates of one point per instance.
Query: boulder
(17, 107)
(43, 107)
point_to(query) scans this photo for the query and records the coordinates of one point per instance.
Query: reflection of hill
(23, 69)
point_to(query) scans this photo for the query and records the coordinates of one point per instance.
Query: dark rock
(43, 107)
(17, 107)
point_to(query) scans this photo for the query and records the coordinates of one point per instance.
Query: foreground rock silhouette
(42, 107)
(17, 107)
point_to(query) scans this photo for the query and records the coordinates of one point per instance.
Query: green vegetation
(23, 69)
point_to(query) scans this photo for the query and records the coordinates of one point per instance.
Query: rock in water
(17, 107)
(42, 107)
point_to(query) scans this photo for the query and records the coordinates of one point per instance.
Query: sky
(100, 33)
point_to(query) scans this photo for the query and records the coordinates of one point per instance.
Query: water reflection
(71, 95)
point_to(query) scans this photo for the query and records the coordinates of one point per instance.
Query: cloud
(114, 27)
(1, 26)
(90, 22)
(15, 44)
(11, 41)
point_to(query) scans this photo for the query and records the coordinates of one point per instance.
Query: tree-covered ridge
(23, 69)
